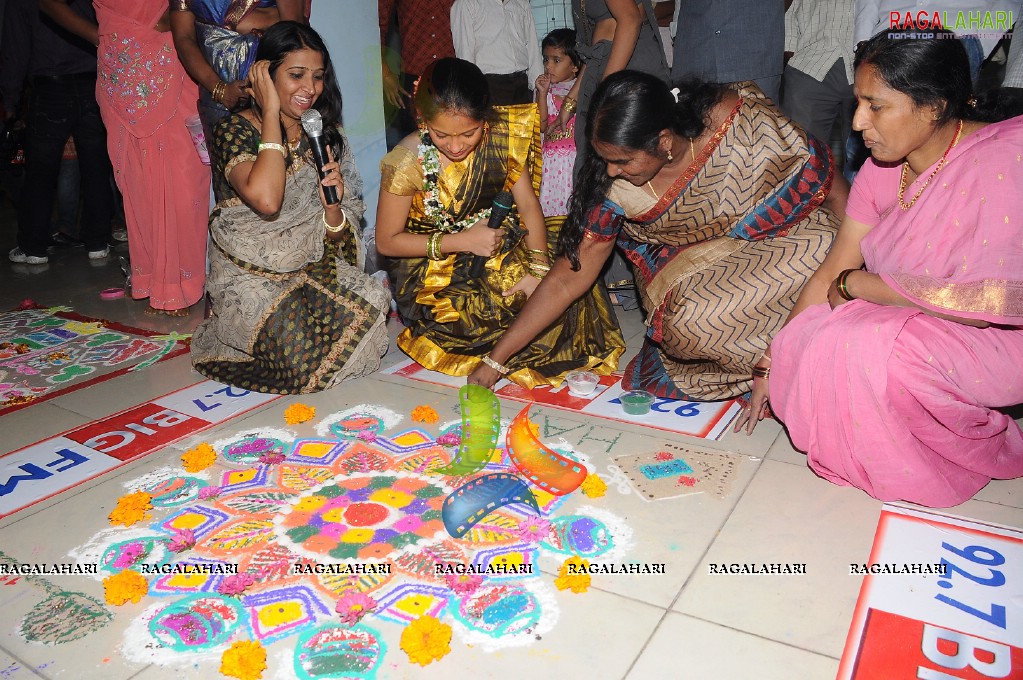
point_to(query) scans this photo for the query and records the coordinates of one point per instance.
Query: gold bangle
(761, 372)
(433, 250)
(538, 271)
(503, 370)
(841, 285)
(569, 106)
(218, 92)
(339, 228)
(263, 146)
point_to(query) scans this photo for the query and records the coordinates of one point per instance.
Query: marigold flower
(426, 640)
(245, 660)
(125, 586)
(353, 606)
(425, 414)
(593, 486)
(199, 458)
(573, 575)
(299, 413)
(131, 508)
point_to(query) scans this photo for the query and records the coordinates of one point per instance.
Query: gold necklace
(692, 154)
(941, 163)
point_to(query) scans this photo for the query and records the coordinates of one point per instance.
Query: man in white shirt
(819, 73)
(499, 36)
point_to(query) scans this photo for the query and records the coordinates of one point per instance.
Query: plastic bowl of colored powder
(582, 383)
(636, 402)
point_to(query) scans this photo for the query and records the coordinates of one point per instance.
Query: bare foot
(153, 311)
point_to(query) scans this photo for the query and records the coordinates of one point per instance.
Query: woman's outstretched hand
(757, 408)
(483, 376)
(262, 89)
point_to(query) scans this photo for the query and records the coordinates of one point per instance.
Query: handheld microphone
(312, 123)
(503, 203)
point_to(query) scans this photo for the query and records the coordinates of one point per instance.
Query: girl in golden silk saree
(715, 199)
(893, 376)
(437, 191)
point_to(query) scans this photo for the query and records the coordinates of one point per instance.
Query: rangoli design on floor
(345, 513)
(45, 353)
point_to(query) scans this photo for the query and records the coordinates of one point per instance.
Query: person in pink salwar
(903, 347)
(144, 97)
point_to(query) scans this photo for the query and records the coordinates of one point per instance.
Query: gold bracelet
(339, 228)
(568, 104)
(840, 284)
(761, 372)
(218, 92)
(433, 250)
(263, 146)
(503, 370)
(538, 270)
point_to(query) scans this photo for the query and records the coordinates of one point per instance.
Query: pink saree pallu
(895, 401)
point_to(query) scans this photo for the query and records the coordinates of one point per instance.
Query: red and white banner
(41, 470)
(945, 601)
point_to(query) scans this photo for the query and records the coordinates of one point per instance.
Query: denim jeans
(63, 106)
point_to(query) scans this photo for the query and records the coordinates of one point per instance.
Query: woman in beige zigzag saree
(716, 200)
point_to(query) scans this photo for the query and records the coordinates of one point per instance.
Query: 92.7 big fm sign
(964, 623)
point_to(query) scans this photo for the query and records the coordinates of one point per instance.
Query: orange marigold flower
(425, 414)
(245, 660)
(593, 486)
(125, 586)
(299, 413)
(199, 458)
(426, 640)
(573, 575)
(131, 508)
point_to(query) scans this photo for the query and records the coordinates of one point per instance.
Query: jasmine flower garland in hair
(429, 160)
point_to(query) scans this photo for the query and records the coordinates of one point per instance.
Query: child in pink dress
(560, 67)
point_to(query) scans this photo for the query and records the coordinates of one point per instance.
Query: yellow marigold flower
(425, 414)
(593, 486)
(299, 413)
(131, 508)
(245, 660)
(426, 640)
(199, 458)
(573, 575)
(125, 586)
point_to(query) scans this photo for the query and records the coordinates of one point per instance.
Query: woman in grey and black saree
(293, 312)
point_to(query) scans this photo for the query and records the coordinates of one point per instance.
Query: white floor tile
(685, 648)
(788, 515)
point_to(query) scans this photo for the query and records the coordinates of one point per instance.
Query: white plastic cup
(194, 126)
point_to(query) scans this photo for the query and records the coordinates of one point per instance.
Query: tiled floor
(685, 623)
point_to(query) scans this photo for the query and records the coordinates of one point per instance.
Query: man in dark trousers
(62, 71)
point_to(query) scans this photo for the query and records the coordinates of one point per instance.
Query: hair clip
(675, 93)
(972, 102)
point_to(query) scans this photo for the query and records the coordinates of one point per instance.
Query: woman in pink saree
(894, 384)
(144, 97)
